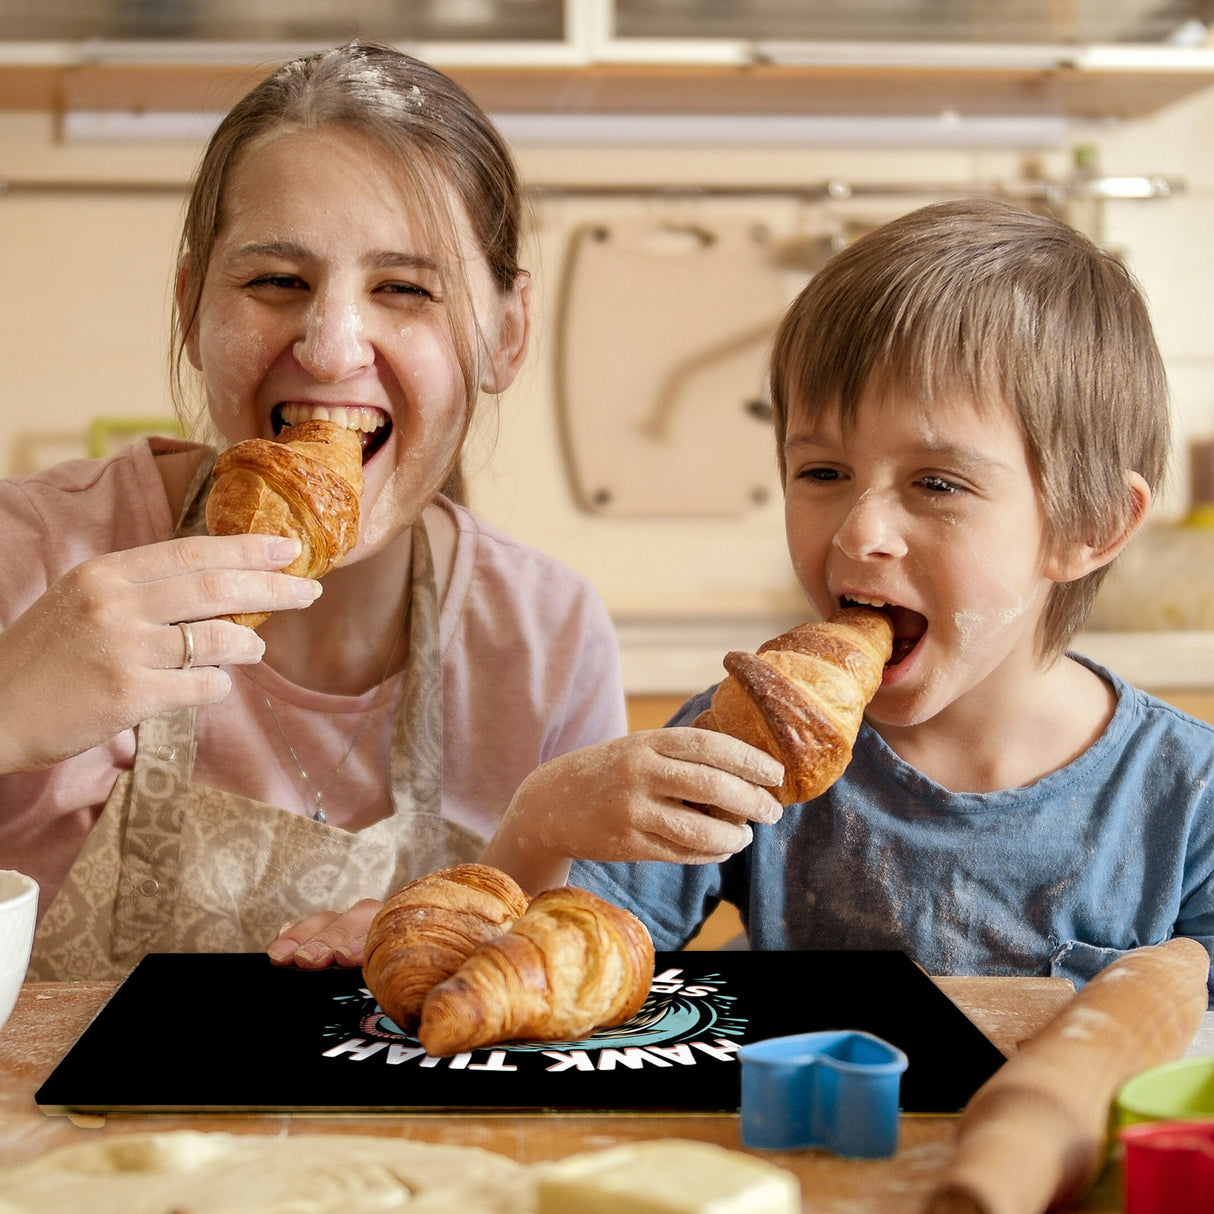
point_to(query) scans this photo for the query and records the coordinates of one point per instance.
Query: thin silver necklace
(318, 792)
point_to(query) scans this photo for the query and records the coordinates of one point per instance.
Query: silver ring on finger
(187, 656)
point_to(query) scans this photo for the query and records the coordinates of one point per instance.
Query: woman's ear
(190, 343)
(1073, 561)
(513, 334)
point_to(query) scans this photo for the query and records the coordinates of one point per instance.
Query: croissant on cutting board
(571, 964)
(307, 484)
(426, 930)
(801, 698)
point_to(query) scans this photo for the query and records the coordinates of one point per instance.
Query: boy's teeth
(355, 417)
(863, 601)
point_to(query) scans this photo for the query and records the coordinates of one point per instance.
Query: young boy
(971, 418)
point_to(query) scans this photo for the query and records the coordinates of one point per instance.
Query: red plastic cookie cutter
(1168, 1167)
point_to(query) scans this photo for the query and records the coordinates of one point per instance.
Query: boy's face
(934, 512)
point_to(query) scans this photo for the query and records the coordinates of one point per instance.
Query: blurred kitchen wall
(85, 276)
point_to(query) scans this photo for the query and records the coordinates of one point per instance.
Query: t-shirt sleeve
(672, 900)
(1196, 916)
(1182, 821)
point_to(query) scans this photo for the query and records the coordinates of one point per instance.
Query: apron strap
(193, 518)
(416, 772)
(149, 869)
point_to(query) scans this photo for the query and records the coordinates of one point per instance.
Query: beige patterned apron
(171, 866)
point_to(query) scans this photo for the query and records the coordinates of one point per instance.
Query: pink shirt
(529, 657)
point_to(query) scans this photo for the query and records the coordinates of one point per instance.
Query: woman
(176, 781)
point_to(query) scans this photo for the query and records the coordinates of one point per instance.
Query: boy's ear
(1073, 561)
(514, 329)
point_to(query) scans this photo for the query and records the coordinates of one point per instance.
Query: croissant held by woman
(306, 485)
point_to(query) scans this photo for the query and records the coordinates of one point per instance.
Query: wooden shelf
(136, 88)
(834, 90)
(1066, 91)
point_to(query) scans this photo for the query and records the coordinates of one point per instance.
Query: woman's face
(323, 298)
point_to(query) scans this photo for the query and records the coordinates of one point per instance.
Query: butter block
(666, 1176)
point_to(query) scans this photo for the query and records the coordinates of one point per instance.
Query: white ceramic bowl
(18, 910)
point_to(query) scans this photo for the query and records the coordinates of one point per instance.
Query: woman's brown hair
(442, 140)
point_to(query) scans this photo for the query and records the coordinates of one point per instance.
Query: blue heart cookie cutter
(837, 1089)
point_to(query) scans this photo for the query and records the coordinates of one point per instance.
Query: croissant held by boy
(801, 698)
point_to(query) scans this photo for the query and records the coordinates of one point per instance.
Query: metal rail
(1033, 189)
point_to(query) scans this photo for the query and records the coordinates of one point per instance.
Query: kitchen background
(691, 162)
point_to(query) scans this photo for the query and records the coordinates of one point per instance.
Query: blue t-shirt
(1059, 878)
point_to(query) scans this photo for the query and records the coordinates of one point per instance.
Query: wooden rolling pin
(1034, 1136)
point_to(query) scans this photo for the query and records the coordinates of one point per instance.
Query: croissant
(573, 963)
(802, 697)
(308, 485)
(424, 932)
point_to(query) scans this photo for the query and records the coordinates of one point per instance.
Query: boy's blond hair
(980, 300)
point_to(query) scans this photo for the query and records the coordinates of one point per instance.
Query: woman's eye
(282, 281)
(409, 289)
(938, 484)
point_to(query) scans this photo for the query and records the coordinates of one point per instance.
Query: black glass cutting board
(229, 1031)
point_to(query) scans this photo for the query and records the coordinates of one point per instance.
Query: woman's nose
(333, 343)
(870, 529)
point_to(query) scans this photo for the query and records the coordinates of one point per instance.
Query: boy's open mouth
(909, 626)
(373, 425)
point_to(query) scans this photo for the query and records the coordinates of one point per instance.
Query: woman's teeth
(351, 417)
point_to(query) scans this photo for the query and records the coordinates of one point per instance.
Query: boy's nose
(333, 343)
(870, 529)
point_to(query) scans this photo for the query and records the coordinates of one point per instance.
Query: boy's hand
(682, 794)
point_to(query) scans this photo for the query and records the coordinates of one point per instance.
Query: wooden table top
(49, 1017)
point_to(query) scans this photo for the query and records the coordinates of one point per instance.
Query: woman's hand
(682, 794)
(325, 939)
(102, 649)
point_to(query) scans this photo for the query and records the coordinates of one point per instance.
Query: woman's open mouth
(373, 425)
(909, 626)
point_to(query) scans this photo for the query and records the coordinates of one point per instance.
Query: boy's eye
(819, 474)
